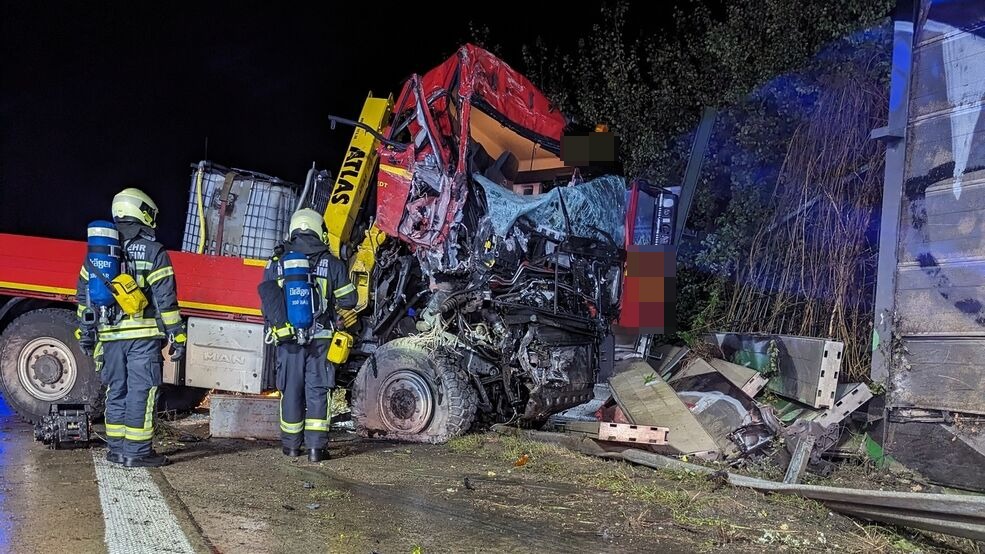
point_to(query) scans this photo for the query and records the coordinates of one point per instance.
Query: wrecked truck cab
(503, 269)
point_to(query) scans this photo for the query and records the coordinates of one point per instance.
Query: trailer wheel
(41, 364)
(407, 393)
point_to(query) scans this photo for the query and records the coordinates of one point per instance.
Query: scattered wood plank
(626, 432)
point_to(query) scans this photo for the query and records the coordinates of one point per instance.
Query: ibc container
(247, 211)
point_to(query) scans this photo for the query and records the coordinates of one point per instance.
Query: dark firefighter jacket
(331, 283)
(148, 263)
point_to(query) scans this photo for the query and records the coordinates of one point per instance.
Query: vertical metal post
(894, 134)
(701, 138)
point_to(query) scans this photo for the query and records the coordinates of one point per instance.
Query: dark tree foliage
(764, 64)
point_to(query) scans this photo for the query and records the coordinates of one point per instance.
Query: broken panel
(647, 400)
(807, 368)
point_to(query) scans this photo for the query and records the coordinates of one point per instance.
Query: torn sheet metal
(594, 209)
(488, 82)
(588, 410)
(423, 185)
(719, 405)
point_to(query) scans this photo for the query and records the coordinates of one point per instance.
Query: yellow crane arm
(354, 178)
(346, 201)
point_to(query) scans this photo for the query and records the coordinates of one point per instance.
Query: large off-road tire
(41, 364)
(407, 393)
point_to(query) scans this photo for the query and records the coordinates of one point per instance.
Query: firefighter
(127, 348)
(305, 377)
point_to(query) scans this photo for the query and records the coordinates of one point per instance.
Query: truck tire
(41, 364)
(407, 393)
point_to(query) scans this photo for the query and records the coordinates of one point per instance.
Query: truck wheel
(407, 393)
(41, 364)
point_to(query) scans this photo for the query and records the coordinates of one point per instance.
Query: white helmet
(133, 203)
(309, 220)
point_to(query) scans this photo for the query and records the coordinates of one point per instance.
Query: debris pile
(745, 398)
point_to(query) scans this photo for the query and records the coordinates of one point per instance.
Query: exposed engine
(528, 310)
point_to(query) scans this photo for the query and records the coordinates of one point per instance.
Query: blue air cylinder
(103, 251)
(297, 291)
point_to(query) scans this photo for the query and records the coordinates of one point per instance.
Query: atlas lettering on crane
(354, 160)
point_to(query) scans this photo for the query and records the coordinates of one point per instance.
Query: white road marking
(137, 518)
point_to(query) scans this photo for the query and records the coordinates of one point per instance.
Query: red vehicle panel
(211, 286)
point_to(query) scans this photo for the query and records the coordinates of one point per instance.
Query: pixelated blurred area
(597, 148)
(650, 297)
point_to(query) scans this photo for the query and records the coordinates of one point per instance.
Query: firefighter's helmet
(133, 203)
(310, 221)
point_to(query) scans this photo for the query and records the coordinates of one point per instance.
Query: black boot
(317, 454)
(114, 457)
(292, 452)
(150, 460)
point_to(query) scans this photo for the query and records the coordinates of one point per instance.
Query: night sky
(97, 96)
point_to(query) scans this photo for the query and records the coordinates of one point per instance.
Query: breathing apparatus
(299, 295)
(108, 286)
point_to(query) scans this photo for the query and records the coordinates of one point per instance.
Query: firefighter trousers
(132, 374)
(305, 379)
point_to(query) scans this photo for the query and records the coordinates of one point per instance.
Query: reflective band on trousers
(290, 428)
(117, 431)
(146, 432)
(316, 425)
(321, 424)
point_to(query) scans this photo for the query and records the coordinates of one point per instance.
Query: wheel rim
(406, 402)
(47, 369)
